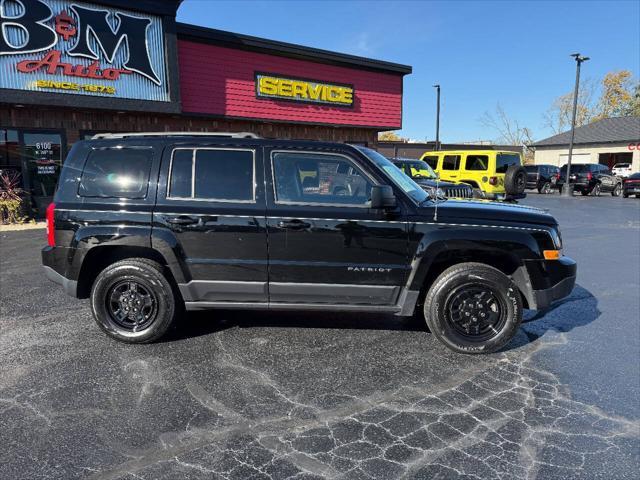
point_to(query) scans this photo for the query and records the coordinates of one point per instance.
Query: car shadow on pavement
(577, 310)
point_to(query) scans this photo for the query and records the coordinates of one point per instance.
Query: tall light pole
(567, 190)
(437, 87)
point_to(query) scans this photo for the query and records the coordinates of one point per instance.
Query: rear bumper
(51, 264)
(543, 282)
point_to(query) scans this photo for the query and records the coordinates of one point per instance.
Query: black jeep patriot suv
(146, 225)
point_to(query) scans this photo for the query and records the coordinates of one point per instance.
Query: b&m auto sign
(80, 48)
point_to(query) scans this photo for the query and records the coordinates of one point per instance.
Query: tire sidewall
(510, 184)
(617, 190)
(150, 279)
(501, 286)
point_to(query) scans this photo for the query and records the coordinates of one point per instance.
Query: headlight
(556, 237)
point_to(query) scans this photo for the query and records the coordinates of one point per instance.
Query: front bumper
(51, 262)
(503, 196)
(542, 282)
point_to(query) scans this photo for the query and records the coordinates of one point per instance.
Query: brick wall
(73, 121)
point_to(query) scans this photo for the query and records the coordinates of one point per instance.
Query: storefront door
(37, 155)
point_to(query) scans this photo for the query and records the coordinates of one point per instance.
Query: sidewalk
(22, 226)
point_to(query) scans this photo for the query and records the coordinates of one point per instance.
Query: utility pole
(567, 190)
(437, 87)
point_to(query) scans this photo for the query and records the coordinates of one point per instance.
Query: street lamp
(437, 87)
(567, 191)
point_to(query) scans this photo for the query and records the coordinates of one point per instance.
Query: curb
(23, 226)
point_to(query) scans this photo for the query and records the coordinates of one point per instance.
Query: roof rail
(103, 136)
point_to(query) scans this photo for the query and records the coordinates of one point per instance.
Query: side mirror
(382, 197)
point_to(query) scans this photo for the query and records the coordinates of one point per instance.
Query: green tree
(617, 95)
(390, 137)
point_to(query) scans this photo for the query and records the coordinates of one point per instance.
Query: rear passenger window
(432, 161)
(477, 162)
(451, 162)
(505, 160)
(212, 174)
(116, 173)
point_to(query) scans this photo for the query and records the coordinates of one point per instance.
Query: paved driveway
(273, 395)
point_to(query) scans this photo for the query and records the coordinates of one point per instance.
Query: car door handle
(182, 220)
(293, 224)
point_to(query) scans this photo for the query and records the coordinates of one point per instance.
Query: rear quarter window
(116, 173)
(477, 162)
(505, 160)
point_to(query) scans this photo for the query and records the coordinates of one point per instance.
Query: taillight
(493, 180)
(589, 176)
(51, 227)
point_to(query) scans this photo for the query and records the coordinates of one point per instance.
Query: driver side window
(312, 178)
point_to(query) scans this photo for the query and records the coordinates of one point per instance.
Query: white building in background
(607, 141)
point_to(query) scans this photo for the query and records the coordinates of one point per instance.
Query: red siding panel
(220, 81)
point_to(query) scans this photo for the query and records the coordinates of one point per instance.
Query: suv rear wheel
(132, 301)
(473, 308)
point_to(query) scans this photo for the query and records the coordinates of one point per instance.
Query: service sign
(301, 90)
(79, 48)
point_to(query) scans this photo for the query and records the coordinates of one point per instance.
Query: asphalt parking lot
(272, 395)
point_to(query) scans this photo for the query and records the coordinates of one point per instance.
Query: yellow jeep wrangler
(494, 174)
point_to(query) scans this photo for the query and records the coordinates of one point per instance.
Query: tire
(617, 190)
(625, 195)
(545, 189)
(515, 180)
(596, 190)
(443, 304)
(135, 283)
(584, 192)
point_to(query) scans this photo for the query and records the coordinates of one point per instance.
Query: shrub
(13, 204)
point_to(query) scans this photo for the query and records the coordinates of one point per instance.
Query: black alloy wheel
(475, 311)
(131, 305)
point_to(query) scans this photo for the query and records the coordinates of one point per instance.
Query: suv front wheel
(473, 308)
(132, 301)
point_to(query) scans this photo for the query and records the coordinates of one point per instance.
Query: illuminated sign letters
(306, 91)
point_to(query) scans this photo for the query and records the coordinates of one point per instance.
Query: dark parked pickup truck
(146, 225)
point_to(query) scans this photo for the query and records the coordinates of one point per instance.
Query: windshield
(401, 180)
(420, 169)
